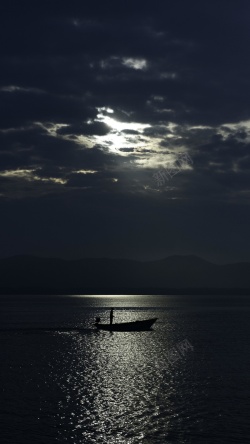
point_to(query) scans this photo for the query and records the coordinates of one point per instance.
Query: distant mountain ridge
(20, 274)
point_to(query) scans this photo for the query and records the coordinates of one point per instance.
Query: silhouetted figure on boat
(111, 316)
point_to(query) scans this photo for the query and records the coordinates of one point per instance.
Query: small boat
(127, 326)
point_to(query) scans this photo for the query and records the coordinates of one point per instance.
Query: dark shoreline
(124, 291)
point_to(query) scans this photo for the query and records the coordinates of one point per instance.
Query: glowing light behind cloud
(117, 137)
(135, 63)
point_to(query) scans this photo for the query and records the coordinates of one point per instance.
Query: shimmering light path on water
(61, 384)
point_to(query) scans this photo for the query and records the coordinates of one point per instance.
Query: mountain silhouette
(20, 274)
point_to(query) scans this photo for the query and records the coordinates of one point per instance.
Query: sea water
(185, 381)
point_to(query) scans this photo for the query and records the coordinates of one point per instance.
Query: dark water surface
(61, 384)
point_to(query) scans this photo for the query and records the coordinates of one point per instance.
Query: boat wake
(39, 330)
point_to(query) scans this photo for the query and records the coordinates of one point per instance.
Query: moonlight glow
(122, 134)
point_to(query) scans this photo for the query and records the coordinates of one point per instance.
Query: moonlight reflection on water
(120, 388)
(82, 386)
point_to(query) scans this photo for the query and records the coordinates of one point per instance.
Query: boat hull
(128, 326)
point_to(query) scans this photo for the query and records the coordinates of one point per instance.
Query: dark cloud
(127, 150)
(20, 107)
(95, 128)
(181, 68)
(129, 131)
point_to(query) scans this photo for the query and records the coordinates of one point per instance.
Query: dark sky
(96, 98)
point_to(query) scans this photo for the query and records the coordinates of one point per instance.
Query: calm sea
(186, 381)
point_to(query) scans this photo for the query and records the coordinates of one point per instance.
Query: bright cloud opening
(134, 63)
